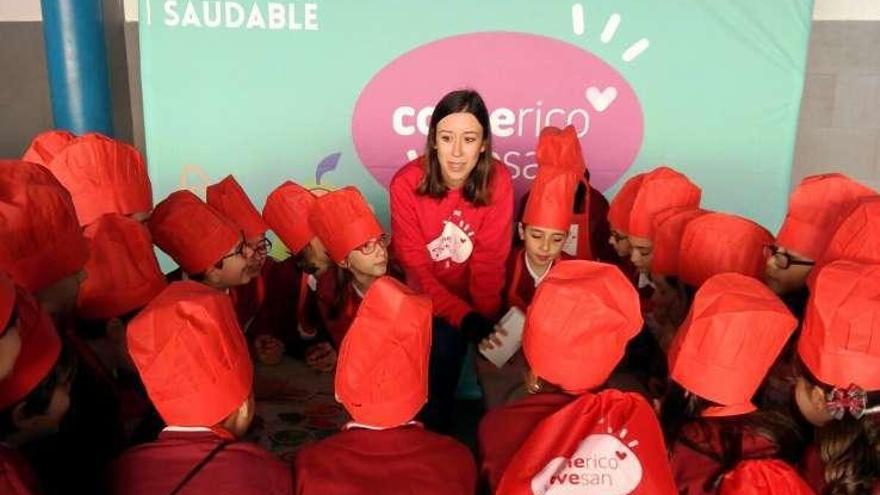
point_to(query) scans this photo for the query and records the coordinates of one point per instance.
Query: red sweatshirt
(449, 248)
(403, 460)
(241, 468)
(16, 476)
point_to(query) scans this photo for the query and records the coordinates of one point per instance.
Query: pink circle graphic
(528, 82)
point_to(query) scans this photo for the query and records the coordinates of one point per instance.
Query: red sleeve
(409, 248)
(492, 247)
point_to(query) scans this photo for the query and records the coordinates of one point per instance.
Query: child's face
(10, 346)
(811, 401)
(236, 267)
(542, 246)
(369, 261)
(50, 420)
(642, 251)
(789, 279)
(60, 297)
(260, 245)
(620, 242)
(315, 256)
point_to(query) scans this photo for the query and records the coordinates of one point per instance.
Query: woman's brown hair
(476, 188)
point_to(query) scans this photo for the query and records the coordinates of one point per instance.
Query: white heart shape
(453, 243)
(601, 100)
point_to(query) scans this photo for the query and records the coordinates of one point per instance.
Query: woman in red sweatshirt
(451, 218)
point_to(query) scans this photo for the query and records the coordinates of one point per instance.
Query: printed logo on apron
(603, 464)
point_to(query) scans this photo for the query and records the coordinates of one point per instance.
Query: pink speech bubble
(528, 82)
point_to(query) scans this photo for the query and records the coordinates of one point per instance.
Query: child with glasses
(251, 300)
(815, 208)
(208, 247)
(346, 226)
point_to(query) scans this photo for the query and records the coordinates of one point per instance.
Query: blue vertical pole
(76, 58)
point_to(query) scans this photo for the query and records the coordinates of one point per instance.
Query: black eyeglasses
(784, 260)
(262, 247)
(239, 250)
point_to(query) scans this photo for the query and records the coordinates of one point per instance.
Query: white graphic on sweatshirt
(601, 465)
(454, 243)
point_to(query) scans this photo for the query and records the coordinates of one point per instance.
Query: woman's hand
(494, 340)
(476, 327)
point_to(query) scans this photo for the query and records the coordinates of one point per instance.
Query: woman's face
(542, 246)
(459, 142)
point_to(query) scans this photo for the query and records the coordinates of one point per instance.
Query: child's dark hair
(91, 329)
(38, 400)
(682, 410)
(849, 447)
(344, 277)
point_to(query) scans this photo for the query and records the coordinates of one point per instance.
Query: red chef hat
(719, 243)
(840, 340)
(560, 148)
(343, 220)
(764, 477)
(668, 230)
(382, 371)
(195, 235)
(40, 348)
(103, 176)
(46, 145)
(123, 274)
(40, 239)
(551, 199)
(229, 198)
(857, 237)
(734, 331)
(620, 208)
(815, 209)
(191, 355)
(583, 312)
(661, 188)
(608, 442)
(287, 212)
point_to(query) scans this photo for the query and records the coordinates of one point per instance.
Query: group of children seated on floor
(699, 355)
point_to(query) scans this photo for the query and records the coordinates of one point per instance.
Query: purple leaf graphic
(328, 164)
